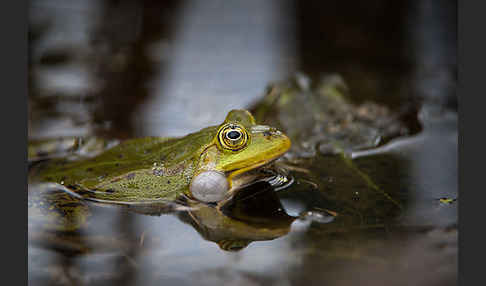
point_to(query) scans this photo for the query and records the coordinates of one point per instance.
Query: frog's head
(244, 145)
(239, 146)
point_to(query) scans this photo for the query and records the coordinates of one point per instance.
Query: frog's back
(144, 165)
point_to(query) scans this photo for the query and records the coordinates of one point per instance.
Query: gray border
(13, 28)
(470, 91)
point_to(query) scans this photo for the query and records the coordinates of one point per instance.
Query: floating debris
(319, 215)
(447, 201)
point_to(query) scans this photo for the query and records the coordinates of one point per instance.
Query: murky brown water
(122, 69)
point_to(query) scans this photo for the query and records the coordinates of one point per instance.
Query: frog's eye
(232, 136)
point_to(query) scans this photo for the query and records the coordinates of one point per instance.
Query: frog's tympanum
(208, 165)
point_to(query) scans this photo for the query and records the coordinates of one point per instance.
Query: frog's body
(150, 169)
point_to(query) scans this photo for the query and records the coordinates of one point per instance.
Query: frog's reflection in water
(255, 213)
(103, 244)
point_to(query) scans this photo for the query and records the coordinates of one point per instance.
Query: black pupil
(233, 135)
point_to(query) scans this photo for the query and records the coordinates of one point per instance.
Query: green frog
(208, 165)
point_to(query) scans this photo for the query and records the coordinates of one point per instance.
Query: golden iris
(232, 136)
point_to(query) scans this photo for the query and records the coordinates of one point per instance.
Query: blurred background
(123, 69)
(170, 67)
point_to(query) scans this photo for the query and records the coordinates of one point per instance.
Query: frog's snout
(282, 141)
(274, 134)
(286, 141)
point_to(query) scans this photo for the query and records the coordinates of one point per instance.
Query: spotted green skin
(152, 169)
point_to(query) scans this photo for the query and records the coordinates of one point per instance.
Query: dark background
(170, 67)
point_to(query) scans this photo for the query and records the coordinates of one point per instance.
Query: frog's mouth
(269, 171)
